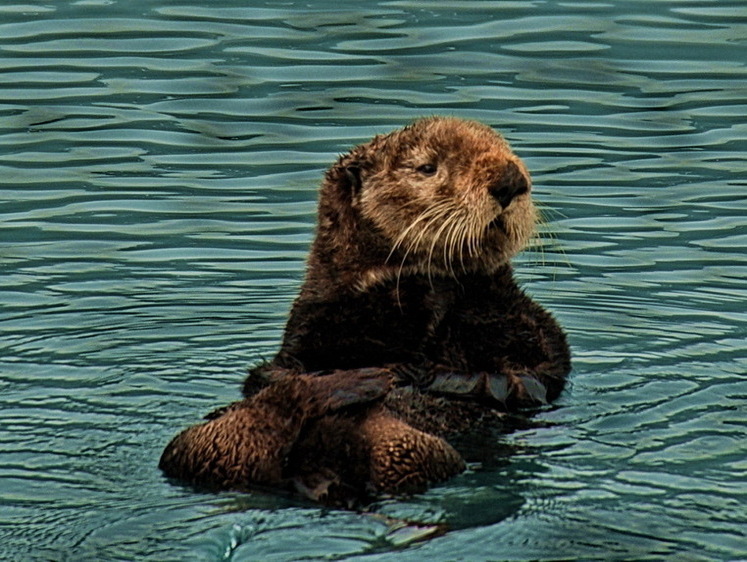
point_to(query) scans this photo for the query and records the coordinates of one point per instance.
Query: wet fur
(409, 311)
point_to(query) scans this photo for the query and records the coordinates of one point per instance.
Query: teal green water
(158, 168)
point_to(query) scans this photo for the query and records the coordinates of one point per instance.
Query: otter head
(439, 197)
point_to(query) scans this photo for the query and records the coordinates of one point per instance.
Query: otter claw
(406, 374)
(535, 389)
(496, 387)
(474, 385)
(459, 384)
(492, 386)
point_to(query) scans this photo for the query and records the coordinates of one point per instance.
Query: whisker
(459, 237)
(444, 208)
(434, 210)
(475, 238)
(449, 241)
(542, 233)
(456, 238)
(428, 218)
(433, 245)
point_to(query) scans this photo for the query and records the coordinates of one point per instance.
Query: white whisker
(435, 241)
(428, 218)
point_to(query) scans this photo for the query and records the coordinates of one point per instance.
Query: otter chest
(391, 323)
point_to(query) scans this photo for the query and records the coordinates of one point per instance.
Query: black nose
(511, 184)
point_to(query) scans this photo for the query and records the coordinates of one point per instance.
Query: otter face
(446, 196)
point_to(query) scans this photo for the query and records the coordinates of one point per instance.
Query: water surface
(158, 170)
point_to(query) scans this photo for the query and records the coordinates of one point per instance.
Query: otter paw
(407, 460)
(515, 390)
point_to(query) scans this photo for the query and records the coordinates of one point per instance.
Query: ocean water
(159, 161)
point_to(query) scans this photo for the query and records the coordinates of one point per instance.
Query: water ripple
(159, 165)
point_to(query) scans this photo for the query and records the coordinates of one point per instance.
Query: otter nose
(511, 184)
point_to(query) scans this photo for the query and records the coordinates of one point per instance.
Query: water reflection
(159, 166)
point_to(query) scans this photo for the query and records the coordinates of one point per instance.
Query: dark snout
(511, 183)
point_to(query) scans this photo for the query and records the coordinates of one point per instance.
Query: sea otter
(409, 329)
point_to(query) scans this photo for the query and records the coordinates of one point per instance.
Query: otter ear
(353, 176)
(352, 169)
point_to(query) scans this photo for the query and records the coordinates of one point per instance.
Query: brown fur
(408, 279)
(363, 236)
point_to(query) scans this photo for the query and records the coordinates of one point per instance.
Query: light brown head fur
(440, 197)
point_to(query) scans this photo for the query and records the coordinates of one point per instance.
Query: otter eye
(427, 169)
